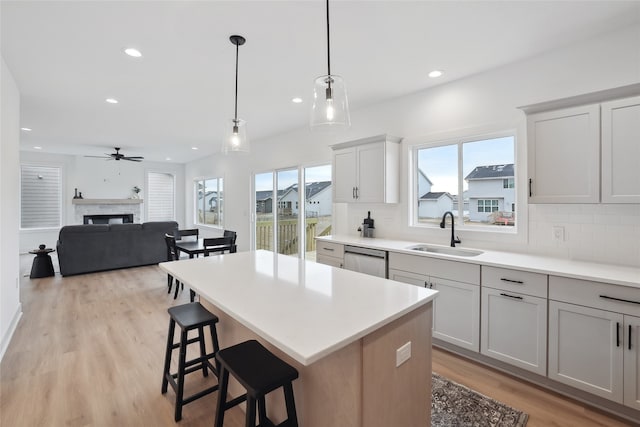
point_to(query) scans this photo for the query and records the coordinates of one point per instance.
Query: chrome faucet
(455, 239)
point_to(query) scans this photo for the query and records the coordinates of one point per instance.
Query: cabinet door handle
(511, 296)
(353, 192)
(328, 249)
(530, 190)
(357, 193)
(629, 337)
(617, 334)
(620, 299)
(519, 282)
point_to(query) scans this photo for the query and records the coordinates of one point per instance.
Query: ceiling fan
(118, 156)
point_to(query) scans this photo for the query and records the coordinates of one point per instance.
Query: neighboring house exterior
(431, 204)
(491, 189)
(434, 204)
(317, 198)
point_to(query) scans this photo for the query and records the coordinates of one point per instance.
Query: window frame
(459, 140)
(221, 211)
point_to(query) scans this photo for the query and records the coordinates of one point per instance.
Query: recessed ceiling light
(168, 158)
(111, 100)
(37, 147)
(26, 129)
(135, 53)
(194, 148)
(296, 100)
(435, 73)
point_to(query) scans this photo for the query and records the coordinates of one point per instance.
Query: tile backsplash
(604, 233)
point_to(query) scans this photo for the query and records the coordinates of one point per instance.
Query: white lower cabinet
(514, 329)
(330, 253)
(456, 309)
(584, 349)
(594, 346)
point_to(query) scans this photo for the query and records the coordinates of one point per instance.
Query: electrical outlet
(557, 233)
(403, 354)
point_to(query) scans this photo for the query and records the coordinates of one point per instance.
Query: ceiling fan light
(330, 104)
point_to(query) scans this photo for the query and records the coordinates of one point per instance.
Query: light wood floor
(89, 352)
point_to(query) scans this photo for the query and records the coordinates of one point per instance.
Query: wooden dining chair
(172, 255)
(217, 245)
(233, 235)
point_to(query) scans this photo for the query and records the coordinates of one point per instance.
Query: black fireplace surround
(108, 219)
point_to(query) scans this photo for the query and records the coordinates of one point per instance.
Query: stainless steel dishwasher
(365, 260)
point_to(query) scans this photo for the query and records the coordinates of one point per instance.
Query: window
(160, 197)
(487, 205)
(209, 199)
(40, 197)
(474, 178)
(292, 231)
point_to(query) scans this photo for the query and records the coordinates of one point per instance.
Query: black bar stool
(189, 317)
(259, 371)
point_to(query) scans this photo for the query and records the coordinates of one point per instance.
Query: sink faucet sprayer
(455, 239)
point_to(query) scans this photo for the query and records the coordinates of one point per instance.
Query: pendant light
(330, 107)
(235, 138)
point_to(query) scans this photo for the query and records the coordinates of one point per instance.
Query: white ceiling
(67, 57)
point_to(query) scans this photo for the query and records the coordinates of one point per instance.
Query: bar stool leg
(181, 363)
(216, 345)
(203, 351)
(222, 396)
(262, 411)
(251, 412)
(167, 356)
(291, 404)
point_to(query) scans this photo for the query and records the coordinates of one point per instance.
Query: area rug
(454, 405)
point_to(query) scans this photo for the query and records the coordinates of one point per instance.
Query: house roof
(313, 188)
(435, 195)
(491, 171)
(425, 176)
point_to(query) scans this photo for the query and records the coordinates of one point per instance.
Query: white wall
(96, 179)
(477, 105)
(10, 307)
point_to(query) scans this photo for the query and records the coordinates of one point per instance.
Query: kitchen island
(340, 329)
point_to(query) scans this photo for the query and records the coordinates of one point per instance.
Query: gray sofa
(98, 247)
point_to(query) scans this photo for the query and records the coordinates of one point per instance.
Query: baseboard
(6, 339)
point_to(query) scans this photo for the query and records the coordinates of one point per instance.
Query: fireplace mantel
(106, 201)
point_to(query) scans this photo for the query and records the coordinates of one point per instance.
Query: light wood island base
(357, 385)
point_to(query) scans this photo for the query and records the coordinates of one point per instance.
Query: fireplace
(108, 219)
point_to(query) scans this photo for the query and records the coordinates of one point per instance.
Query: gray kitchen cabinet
(456, 310)
(593, 333)
(514, 318)
(621, 151)
(367, 170)
(330, 253)
(563, 155)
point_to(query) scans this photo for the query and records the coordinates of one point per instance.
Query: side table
(42, 265)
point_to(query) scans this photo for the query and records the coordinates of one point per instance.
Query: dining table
(193, 247)
(361, 344)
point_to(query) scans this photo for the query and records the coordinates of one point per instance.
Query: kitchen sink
(446, 250)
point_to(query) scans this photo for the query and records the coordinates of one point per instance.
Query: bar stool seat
(259, 371)
(189, 317)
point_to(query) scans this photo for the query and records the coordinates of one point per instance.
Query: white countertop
(615, 274)
(307, 310)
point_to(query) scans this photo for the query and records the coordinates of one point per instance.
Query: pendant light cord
(236, 102)
(328, 44)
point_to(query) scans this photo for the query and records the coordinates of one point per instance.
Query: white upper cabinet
(585, 149)
(621, 151)
(563, 152)
(367, 170)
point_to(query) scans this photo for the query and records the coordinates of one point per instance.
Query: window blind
(40, 196)
(160, 197)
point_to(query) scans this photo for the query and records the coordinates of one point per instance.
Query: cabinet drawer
(452, 270)
(619, 299)
(524, 282)
(331, 249)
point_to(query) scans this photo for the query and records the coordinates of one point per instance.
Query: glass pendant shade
(235, 138)
(330, 106)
